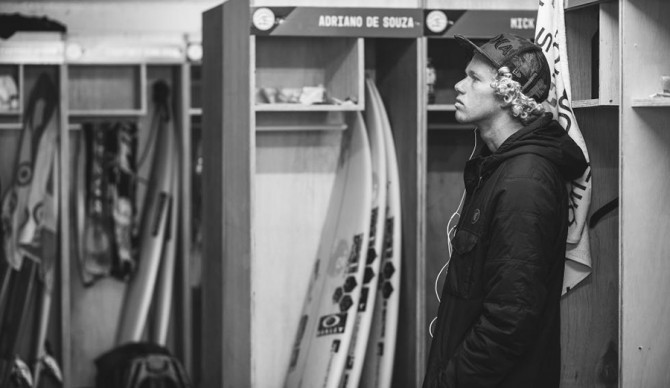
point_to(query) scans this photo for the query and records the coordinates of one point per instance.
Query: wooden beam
(400, 68)
(228, 146)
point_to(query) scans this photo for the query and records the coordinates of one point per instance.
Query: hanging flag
(550, 35)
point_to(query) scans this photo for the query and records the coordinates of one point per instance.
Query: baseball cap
(506, 50)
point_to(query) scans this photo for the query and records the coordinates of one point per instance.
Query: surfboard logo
(363, 302)
(25, 174)
(388, 269)
(332, 324)
(355, 254)
(345, 257)
(341, 294)
(338, 261)
(372, 254)
(38, 213)
(475, 216)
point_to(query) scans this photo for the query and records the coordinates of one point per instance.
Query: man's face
(476, 102)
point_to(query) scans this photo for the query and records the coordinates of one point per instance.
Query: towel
(550, 35)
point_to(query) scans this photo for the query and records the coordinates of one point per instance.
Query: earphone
(450, 230)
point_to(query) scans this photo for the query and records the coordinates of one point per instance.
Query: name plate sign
(356, 22)
(483, 24)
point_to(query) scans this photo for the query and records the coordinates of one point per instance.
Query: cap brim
(467, 43)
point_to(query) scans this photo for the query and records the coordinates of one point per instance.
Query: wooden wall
(645, 162)
(589, 312)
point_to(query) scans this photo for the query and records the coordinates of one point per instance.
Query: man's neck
(496, 131)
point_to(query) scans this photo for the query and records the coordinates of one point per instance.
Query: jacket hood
(544, 137)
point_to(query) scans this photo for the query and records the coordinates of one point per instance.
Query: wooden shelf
(306, 108)
(106, 113)
(585, 103)
(19, 126)
(195, 111)
(658, 102)
(285, 128)
(11, 126)
(591, 103)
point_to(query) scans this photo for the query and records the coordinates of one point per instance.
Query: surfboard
(356, 355)
(154, 224)
(328, 316)
(165, 285)
(39, 120)
(48, 237)
(378, 365)
(29, 216)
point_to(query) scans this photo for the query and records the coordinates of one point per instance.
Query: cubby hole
(117, 93)
(285, 66)
(449, 59)
(10, 89)
(592, 39)
(582, 35)
(650, 59)
(107, 89)
(196, 87)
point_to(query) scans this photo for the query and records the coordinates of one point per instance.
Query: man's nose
(458, 87)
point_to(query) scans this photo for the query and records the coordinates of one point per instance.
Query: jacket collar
(486, 161)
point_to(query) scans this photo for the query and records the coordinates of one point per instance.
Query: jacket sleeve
(522, 228)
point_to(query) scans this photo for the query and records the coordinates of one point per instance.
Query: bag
(140, 365)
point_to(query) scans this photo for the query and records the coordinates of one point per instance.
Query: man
(498, 323)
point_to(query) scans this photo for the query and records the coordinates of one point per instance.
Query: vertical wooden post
(182, 292)
(228, 169)
(400, 68)
(64, 216)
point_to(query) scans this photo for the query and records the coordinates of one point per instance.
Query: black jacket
(498, 323)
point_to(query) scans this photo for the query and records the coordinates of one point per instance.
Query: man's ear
(501, 100)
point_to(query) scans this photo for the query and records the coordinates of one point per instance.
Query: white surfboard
(163, 295)
(378, 366)
(154, 228)
(327, 321)
(356, 356)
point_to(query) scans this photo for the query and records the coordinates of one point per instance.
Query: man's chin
(461, 118)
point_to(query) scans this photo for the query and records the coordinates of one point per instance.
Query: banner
(550, 35)
(321, 21)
